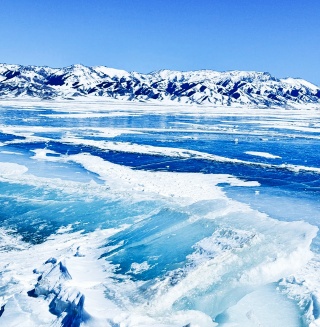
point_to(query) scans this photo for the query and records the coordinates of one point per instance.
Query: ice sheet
(198, 288)
(130, 247)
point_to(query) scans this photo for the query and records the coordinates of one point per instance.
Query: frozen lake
(129, 214)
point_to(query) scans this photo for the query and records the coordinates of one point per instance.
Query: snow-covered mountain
(199, 87)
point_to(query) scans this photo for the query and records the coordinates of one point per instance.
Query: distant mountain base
(194, 87)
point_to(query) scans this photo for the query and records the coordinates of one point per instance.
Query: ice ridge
(66, 303)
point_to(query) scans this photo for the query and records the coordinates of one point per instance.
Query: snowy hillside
(198, 87)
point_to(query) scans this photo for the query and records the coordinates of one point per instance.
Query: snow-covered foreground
(137, 215)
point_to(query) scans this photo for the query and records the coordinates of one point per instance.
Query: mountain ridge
(193, 87)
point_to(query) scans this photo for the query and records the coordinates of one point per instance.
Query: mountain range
(197, 87)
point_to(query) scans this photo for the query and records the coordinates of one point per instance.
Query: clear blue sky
(278, 36)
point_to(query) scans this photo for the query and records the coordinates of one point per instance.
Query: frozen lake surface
(131, 214)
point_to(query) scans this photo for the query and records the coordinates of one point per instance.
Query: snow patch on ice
(263, 154)
(183, 153)
(8, 169)
(137, 268)
(176, 186)
(42, 154)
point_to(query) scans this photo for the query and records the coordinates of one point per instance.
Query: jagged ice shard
(130, 214)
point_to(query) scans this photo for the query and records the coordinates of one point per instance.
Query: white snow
(180, 153)
(184, 186)
(112, 72)
(137, 268)
(263, 154)
(41, 154)
(11, 169)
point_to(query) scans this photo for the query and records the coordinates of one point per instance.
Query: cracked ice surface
(162, 224)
